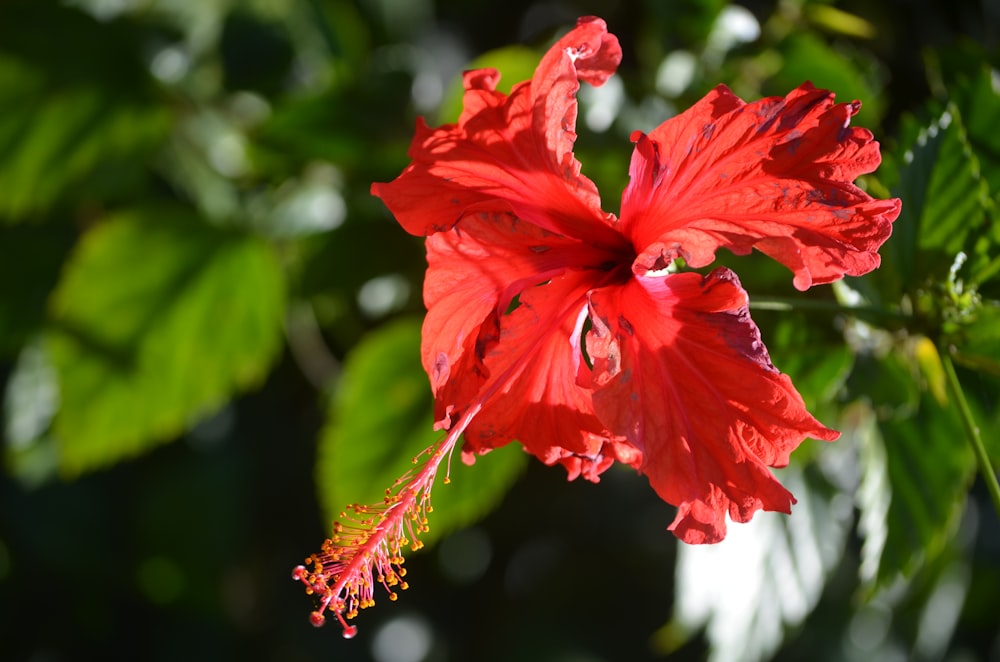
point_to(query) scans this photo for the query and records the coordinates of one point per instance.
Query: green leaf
(158, 321)
(889, 383)
(764, 578)
(977, 344)
(807, 57)
(925, 473)
(979, 102)
(381, 418)
(811, 352)
(945, 203)
(980, 346)
(335, 125)
(79, 121)
(78, 142)
(839, 21)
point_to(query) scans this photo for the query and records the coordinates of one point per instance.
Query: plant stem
(795, 303)
(972, 431)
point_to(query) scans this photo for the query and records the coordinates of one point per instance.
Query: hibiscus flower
(570, 330)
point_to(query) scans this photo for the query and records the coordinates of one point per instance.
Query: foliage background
(208, 340)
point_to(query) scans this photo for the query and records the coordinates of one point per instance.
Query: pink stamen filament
(374, 536)
(358, 543)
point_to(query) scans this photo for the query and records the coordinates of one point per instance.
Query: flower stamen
(366, 548)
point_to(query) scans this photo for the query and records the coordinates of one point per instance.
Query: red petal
(512, 154)
(538, 366)
(681, 372)
(474, 272)
(775, 175)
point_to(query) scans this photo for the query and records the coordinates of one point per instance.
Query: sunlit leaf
(838, 21)
(763, 579)
(30, 401)
(381, 418)
(874, 491)
(158, 320)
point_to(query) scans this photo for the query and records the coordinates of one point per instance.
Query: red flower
(556, 324)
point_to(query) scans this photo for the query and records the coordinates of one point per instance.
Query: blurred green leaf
(928, 468)
(683, 23)
(70, 142)
(381, 418)
(874, 492)
(158, 320)
(78, 126)
(345, 32)
(980, 346)
(888, 382)
(766, 576)
(355, 126)
(838, 21)
(807, 57)
(814, 355)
